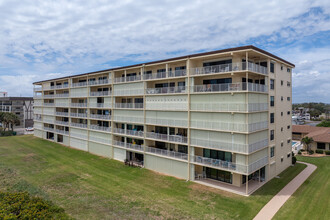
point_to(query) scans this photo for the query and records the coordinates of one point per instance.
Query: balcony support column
(247, 185)
(166, 70)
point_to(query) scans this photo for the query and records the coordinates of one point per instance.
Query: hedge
(311, 152)
(319, 151)
(20, 205)
(327, 152)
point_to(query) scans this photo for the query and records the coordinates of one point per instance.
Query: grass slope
(311, 200)
(92, 187)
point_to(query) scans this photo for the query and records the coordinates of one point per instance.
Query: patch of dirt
(305, 154)
(206, 189)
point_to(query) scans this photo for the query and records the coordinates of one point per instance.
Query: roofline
(248, 47)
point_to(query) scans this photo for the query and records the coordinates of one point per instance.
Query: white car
(29, 129)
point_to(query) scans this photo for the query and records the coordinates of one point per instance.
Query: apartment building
(220, 118)
(20, 106)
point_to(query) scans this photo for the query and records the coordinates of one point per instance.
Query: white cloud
(39, 37)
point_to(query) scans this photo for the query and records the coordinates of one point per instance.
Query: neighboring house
(222, 118)
(320, 135)
(20, 106)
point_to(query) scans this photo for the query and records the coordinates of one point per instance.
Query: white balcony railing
(62, 86)
(229, 107)
(222, 164)
(129, 145)
(49, 129)
(49, 104)
(258, 164)
(166, 90)
(62, 122)
(127, 79)
(78, 115)
(100, 105)
(103, 93)
(166, 137)
(167, 122)
(229, 126)
(37, 96)
(81, 105)
(167, 153)
(62, 132)
(161, 75)
(129, 105)
(128, 132)
(79, 84)
(38, 89)
(98, 116)
(180, 106)
(62, 104)
(126, 92)
(230, 87)
(99, 82)
(77, 135)
(78, 125)
(128, 119)
(228, 146)
(66, 114)
(48, 96)
(100, 128)
(62, 95)
(49, 121)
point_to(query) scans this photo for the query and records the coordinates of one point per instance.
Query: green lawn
(91, 187)
(311, 200)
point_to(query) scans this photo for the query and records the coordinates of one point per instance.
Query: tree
(325, 123)
(8, 120)
(307, 142)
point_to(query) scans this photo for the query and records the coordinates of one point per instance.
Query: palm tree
(8, 120)
(13, 119)
(307, 141)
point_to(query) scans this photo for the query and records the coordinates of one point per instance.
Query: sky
(44, 39)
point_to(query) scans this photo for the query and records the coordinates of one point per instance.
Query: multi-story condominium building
(219, 118)
(20, 106)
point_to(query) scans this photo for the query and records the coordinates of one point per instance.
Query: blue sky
(48, 39)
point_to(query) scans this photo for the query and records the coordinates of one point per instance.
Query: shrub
(327, 152)
(20, 205)
(319, 151)
(299, 152)
(302, 150)
(311, 152)
(294, 160)
(6, 133)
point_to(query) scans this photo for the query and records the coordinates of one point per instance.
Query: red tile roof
(319, 134)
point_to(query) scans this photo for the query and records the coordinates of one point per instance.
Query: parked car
(29, 129)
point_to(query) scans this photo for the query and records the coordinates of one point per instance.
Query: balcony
(166, 137)
(174, 106)
(99, 82)
(62, 104)
(100, 128)
(63, 86)
(62, 122)
(129, 145)
(230, 87)
(162, 75)
(229, 146)
(230, 67)
(167, 122)
(37, 89)
(167, 153)
(128, 132)
(78, 125)
(78, 115)
(79, 105)
(62, 95)
(98, 116)
(103, 93)
(48, 96)
(128, 92)
(65, 114)
(62, 132)
(38, 96)
(49, 104)
(127, 79)
(100, 140)
(129, 105)
(166, 90)
(49, 129)
(128, 119)
(100, 105)
(229, 126)
(220, 164)
(229, 107)
(77, 135)
(79, 84)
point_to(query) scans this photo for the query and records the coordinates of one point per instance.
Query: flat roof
(251, 47)
(16, 98)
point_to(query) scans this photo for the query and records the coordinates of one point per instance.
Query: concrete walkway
(270, 209)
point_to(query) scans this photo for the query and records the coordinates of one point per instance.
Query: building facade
(320, 135)
(219, 118)
(20, 106)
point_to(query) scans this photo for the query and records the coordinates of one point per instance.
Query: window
(272, 84)
(281, 82)
(288, 155)
(271, 135)
(281, 67)
(281, 128)
(321, 146)
(272, 151)
(272, 118)
(288, 84)
(272, 67)
(288, 112)
(281, 98)
(272, 101)
(288, 98)
(281, 113)
(288, 70)
(282, 144)
(289, 140)
(289, 126)
(281, 159)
